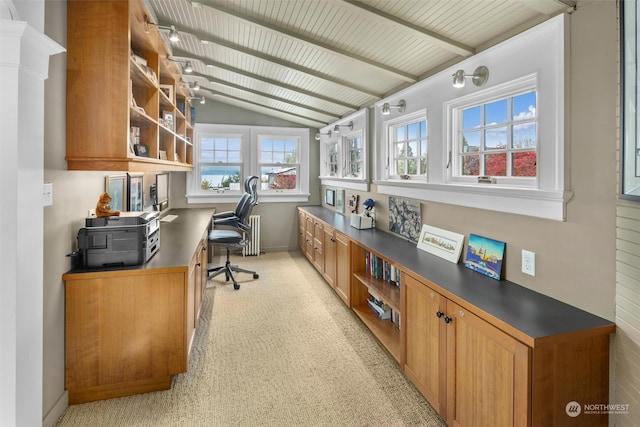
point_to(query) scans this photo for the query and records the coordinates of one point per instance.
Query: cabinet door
(342, 268)
(329, 248)
(302, 242)
(318, 237)
(308, 233)
(488, 374)
(425, 339)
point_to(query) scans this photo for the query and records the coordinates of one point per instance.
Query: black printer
(129, 239)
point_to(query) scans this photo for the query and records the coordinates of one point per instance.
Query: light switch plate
(47, 194)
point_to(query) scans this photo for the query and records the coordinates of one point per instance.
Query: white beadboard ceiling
(314, 61)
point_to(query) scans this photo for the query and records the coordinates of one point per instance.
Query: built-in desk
(129, 329)
(482, 351)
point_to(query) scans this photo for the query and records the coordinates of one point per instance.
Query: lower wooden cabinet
(488, 373)
(474, 368)
(425, 341)
(343, 272)
(329, 255)
(125, 333)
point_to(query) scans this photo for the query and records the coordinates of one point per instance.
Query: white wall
(23, 70)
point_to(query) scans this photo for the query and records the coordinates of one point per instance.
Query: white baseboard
(56, 411)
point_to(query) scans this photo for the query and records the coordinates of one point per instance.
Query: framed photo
(443, 243)
(135, 192)
(167, 116)
(340, 201)
(162, 154)
(116, 186)
(167, 90)
(405, 218)
(485, 256)
(141, 150)
(329, 196)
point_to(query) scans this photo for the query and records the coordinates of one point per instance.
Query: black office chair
(238, 236)
(231, 218)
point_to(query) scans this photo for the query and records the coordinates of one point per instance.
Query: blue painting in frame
(485, 256)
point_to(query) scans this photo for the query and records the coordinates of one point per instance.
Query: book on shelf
(380, 268)
(382, 310)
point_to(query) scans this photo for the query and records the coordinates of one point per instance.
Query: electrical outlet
(529, 263)
(91, 212)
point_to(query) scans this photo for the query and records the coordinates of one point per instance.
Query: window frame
(389, 127)
(453, 111)
(629, 102)
(250, 163)
(360, 128)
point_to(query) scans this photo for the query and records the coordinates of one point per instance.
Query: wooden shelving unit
(117, 67)
(362, 285)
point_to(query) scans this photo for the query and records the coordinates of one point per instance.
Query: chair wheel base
(255, 276)
(236, 286)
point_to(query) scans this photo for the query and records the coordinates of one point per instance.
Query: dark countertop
(535, 315)
(179, 239)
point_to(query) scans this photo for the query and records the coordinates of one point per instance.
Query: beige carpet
(281, 351)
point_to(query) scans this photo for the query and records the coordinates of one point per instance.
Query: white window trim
(251, 166)
(388, 153)
(527, 83)
(541, 51)
(360, 121)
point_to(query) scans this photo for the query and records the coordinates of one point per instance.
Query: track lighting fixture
(174, 36)
(479, 77)
(202, 99)
(186, 68)
(349, 125)
(319, 135)
(386, 107)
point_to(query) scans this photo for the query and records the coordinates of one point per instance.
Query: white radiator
(253, 245)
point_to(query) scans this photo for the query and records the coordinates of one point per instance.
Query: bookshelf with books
(121, 84)
(375, 296)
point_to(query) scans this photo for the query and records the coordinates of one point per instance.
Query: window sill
(233, 198)
(350, 183)
(530, 202)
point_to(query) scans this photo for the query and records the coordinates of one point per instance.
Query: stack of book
(382, 310)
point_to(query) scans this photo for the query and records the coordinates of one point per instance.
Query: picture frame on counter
(442, 243)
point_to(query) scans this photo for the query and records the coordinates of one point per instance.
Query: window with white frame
(354, 158)
(220, 162)
(333, 159)
(497, 138)
(343, 153)
(279, 164)
(224, 155)
(408, 149)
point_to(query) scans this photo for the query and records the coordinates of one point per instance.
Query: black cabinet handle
(439, 314)
(447, 319)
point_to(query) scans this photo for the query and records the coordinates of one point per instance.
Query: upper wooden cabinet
(121, 90)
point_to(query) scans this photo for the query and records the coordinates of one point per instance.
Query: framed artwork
(116, 186)
(443, 243)
(351, 200)
(135, 192)
(485, 256)
(141, 150)
(167, 90)
(340, 201)
(329, 196)
(405, 218)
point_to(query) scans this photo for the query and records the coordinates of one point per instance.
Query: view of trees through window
(279, 163)
(500, 138)
(410, 148)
